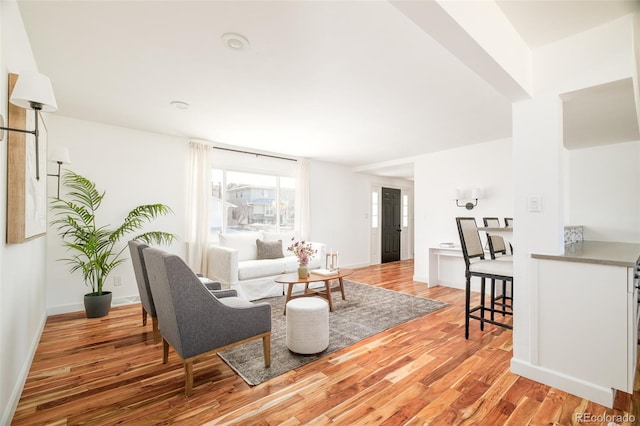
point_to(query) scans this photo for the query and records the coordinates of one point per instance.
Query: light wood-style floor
(108, 371)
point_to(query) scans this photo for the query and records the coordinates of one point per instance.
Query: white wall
(601, 55)
(22, 266)
(604, 191)
(486, 165)
(340, 210)
(134, 168)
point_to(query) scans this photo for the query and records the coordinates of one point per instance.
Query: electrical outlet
(117, 280)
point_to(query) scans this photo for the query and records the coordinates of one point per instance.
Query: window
(244, 201)
(374, 209)
(405, 211)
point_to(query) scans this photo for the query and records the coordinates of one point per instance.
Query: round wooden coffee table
(292, 279)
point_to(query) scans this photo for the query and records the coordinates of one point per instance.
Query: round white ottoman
(307, 325)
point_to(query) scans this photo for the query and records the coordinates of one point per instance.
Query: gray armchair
(146, 299)
(194, 321)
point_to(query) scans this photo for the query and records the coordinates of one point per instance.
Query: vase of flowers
(304, 252)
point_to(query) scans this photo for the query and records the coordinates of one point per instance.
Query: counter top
(494, 229)
(599, 252)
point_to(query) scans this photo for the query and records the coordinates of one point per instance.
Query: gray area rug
(368, 310)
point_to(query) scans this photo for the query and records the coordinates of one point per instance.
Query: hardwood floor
(108, 371)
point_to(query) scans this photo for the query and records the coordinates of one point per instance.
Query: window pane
(405, 211)
(374, 209)
(287, 203)
(216, 201)
(251, 202)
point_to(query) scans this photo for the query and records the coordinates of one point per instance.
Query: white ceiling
(351, 82)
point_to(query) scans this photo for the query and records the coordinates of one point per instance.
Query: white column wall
(538, 161)
(591, 58)
(22, 266)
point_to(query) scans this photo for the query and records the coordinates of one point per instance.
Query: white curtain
(303, 212)
(198, 207)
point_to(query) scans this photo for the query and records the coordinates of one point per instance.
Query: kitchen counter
(597, 252)
(584, 319)
(495, 229)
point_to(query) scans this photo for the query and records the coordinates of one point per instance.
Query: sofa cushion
(250, 269)
(285, 237)
(269, 249)
(244, 242)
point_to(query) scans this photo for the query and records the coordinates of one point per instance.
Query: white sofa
(233, 261)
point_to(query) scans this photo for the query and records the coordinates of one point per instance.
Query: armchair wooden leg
(156, 332)
(266, 347)
(165, 351)
(144, 317)
(188, 377)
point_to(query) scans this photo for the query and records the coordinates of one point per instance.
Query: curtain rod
(254, 153)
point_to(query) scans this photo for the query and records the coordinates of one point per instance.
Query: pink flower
(302, 250)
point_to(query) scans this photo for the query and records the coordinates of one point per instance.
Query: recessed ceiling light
(179, 105)
(235, 41)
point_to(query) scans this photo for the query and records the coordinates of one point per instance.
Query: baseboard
(572, 385)
(75, 307)
(355, 266)
(14, 398)
(421, 279)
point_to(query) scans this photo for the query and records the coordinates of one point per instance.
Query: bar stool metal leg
(482, 290)
(467, 303)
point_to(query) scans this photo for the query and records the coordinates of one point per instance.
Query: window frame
(224, 227)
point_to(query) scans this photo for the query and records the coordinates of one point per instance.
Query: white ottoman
(307, 325)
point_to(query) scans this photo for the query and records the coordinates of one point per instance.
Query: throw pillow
(269, 249)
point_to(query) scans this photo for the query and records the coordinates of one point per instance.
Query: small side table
(293, 279)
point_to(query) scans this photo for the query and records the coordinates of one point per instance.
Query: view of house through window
(244, 201)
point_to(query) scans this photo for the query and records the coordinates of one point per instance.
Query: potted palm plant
(93, 249)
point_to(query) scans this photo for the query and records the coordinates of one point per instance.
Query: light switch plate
(534, 203)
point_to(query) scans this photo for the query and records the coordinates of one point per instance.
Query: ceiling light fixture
(179, 105)
(235, 41)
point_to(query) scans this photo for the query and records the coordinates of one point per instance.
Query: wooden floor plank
(108, 371)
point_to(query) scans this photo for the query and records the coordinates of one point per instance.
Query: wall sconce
(59, 155)
(32, 91)
(476, 193)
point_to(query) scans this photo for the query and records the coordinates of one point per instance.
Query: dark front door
(390, 225)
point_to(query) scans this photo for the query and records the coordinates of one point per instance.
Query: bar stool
(478, 266)
(498, 251)
(492, 222)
